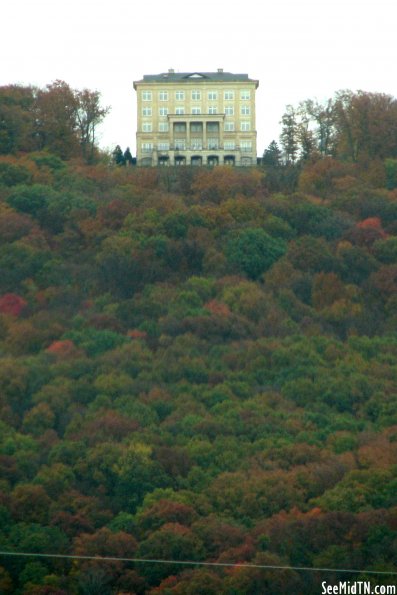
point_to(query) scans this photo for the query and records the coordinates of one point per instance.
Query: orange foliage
(218, 308)
(370, 223)
(62, 349)
(223, 182)
(137, 334)
(321, 178)
(109, 424)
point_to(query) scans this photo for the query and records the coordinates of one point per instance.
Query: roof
(172, 77)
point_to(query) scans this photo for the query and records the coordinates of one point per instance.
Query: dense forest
(197, 364)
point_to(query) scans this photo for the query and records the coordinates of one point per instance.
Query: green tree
(272, 155)
(253, 251)
(117, 156)
(17, 119)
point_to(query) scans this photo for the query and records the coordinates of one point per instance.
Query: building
(196, 118)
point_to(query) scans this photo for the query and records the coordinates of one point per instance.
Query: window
(229, 110)
(229, 145)
(196, 110)
(163, 95)
(245, 126)
(146, 127)
(213, 109)
(213, 143)
(147, 147)
(212, 127)
(245, 94)
(180, 95)
(229, 127)
(196, 95)
(245, 110)
(228, 95)
(179, 110)
(163, 126)
(180, 127)
(146, 96)
(146, 111)
(246, 146)
(197, 144)
(163, 111)
(196, 127)
(212, 95)
(163, 146)
(180, 144)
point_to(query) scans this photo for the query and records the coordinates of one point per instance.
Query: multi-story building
(196, 118)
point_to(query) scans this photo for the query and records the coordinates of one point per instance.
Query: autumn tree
(322, 119)
(56, 117)
(366, 125)
(89, 114)
(17, 119)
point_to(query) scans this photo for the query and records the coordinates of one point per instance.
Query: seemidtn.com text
(357, 588)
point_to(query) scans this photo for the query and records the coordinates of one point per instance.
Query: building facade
(196, 118)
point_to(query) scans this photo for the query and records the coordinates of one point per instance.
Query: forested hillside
(197, 364)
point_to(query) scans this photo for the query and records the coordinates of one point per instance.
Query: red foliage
(105, 543)
(109, 424)
(217, 308)
(62, 348)
(366, 232)
(72, 524)
(372, 223)
(13, 304)
(165, 512)
(137, 334)
(238, 555)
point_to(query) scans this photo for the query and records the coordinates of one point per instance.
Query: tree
(272, 155)
(366, 125)
(305, 135)
(56, 109)
(89, 114)
(57, 118)
(128, 158)
(323, 118)
(118, 156)
(17, 129)
(391, 173)
(289, 134)
(253, 251)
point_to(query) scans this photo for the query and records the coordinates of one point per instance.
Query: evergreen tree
(128, 159)
(118, 157)
(272, 155)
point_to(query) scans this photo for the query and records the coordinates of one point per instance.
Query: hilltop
(197, 364)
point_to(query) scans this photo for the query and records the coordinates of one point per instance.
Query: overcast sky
(297, 49)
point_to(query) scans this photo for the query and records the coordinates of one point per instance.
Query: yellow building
(196, 118)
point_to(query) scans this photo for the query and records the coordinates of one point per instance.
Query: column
(171, 133)
(188, 135)
(222, 150)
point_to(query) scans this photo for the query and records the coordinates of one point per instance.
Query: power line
(195, 563)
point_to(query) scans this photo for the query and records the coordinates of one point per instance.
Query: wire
(195, 563)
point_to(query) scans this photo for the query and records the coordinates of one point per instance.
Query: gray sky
(297, 49)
